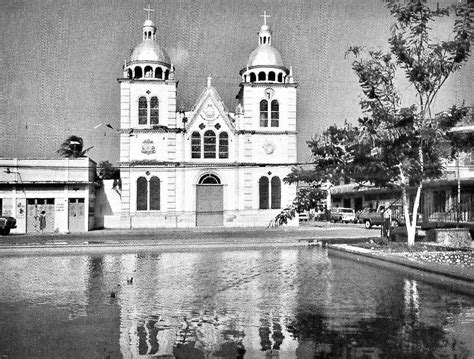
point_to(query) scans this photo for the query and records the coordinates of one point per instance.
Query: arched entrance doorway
(209, 201)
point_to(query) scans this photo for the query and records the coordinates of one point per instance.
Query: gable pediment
(210, 111)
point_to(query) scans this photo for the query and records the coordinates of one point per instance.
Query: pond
(265, 303)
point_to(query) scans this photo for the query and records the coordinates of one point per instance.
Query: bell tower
(148, 130)
(267, 100)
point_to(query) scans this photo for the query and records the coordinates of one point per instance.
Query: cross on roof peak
(265, 17)
(149, 10)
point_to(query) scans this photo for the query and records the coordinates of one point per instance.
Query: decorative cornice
(264, 67)
(42, 182)
(255, 132)
(148, 62)
(153, 129)
(147, 79)
(162, 129)
(170, 164)
(268, 84)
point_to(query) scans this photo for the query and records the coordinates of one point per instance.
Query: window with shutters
(148, 194)
(142, 194)
(275, 113)
(263, 186)
(154, 194)
(142, 111)
(263, 113)
(276, 192)
(154, 111)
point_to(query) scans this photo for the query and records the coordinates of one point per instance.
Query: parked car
(374, 217)
(6, 224)
(341, 214)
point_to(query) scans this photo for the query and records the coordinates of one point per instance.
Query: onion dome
(265, 54)
(148, 60)
(265, 64)
(149, 49)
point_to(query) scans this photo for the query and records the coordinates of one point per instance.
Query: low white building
(63, 188)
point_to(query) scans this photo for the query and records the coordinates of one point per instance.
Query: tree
(108, 171)
(73, 147)
(393, 145)
(309, 196)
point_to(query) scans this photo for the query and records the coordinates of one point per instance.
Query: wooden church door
(209, 202)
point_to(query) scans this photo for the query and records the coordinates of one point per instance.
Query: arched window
(276, 193)
(263, 113)
(154, 194)
(167, 72)
(159, 73)
(261, 76)
(280, 77)
(209, 144)
(209, 179)
(154, 111)
(253, 78)
(142, 111)
(263, 192)
(271, 76)
(275, 113)
(138, 72)
(130, 73)
(148, 71)
(196, 145)
(142, 194)
(223, 145)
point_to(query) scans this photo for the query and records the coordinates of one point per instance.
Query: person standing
(42, 220)
(387, 220)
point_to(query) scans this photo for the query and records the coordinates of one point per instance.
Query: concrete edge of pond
(165, 246)
(465, 275)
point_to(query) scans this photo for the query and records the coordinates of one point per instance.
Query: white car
(345, 215)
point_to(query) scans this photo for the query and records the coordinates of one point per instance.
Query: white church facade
(206, 166)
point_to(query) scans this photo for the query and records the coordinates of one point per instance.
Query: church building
(205, 166)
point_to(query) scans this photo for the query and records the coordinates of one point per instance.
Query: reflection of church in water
(206, 166)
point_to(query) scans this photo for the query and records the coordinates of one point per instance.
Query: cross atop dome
(149, 10)
(265, 34)
(265, 17)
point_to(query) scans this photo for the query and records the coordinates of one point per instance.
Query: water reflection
(281, 303)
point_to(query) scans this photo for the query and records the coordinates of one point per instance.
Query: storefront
(49, 195)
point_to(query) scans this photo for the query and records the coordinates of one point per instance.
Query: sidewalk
(179, 237)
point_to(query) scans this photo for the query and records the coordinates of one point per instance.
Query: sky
(60, 60)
